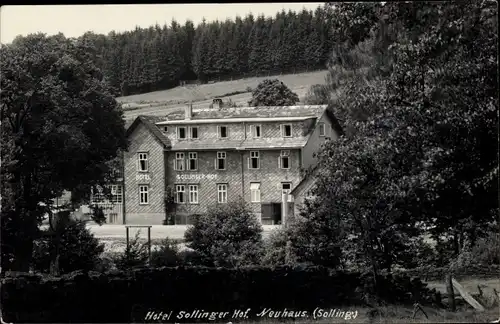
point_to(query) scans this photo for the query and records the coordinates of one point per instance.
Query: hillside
(162, 102)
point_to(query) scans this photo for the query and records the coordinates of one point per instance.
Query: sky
(75, 20)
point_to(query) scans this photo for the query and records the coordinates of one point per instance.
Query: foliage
(57, 116)
(486, 251)
(317, 95)
(203, 288)
(273, 93)
(167, 255)
(229, 235)
(135, 255)
(79, 249)
(277, 249)
(405, 155)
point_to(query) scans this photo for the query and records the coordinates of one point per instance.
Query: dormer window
(286, 130)
(255, 130)
(193, 132)
(181, 132)
(222, 130)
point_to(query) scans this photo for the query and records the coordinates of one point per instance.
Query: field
(162, 102)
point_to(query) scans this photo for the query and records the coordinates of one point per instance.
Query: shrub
(229, 235)
(167, 255)
(278, 250)
(273, 93)
(485, 251)
(135, 255)
(317, 95)
(78, 249)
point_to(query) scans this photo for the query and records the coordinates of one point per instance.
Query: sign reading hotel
(196, 176)
(142, 177)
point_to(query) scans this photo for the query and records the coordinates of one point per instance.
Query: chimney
(189, 111)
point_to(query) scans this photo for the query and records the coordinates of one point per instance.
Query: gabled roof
(250, 112)
(308, 180)
(150, 123)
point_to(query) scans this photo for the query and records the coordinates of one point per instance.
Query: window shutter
(215, 163)
(252, 130)
(248, 162)
(281, 130)
(279, 162)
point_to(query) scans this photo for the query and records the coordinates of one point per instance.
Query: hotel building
(213, 156)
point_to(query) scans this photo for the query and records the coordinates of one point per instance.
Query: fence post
(449, 290)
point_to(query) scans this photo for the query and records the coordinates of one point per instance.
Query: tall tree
(60, 128)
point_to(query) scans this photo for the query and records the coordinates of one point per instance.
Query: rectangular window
(192, 161)
(97, 195)
(322, 129)
(181, 132)
(193, 194)
(180, 191)
(193, 132)
(222, 130)
(286, 130)
(255, 192)
(222, 193)
(116, 194)
(254, 160)
(220, 161)
(284, 159)
(179, 162)
(142, 162)
(255, 130)
(286, 188)
(143, 195)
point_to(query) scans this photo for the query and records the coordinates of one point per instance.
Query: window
(222, 193)
(179, 162)
(255, 130)
(181, 132)
(142, 162)
(222, 130)
(286, 130)
(193, 194)
(255, 192)
(143, 195)
(165, 129)
(220, 161)
(192, 161)
(180, 191)
(253, 161)
(116, 194)
(286, 188)
(322, 129)
(97, 195)
(284, 159)
(193, 132)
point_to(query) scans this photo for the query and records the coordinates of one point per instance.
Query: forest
(162, 57)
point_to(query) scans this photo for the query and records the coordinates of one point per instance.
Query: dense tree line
(159, 57)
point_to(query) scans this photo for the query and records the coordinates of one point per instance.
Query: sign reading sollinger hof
(196, 176)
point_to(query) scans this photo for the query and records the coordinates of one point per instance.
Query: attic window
(222, 131)
(322, 129)
(165, 129)
(286, 130)
(181, 132)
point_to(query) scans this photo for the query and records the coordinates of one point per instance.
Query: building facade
(214, 156)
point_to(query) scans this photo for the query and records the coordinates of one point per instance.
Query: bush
(229, 235)
(167, 255)
(273, 93)
(135, 255)
(277, 249)
(79, 249)
(65, 299)
(486, 251)
(317, 95)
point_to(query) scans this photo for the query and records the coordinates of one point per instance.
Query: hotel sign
(142, 177)
(196, 176)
